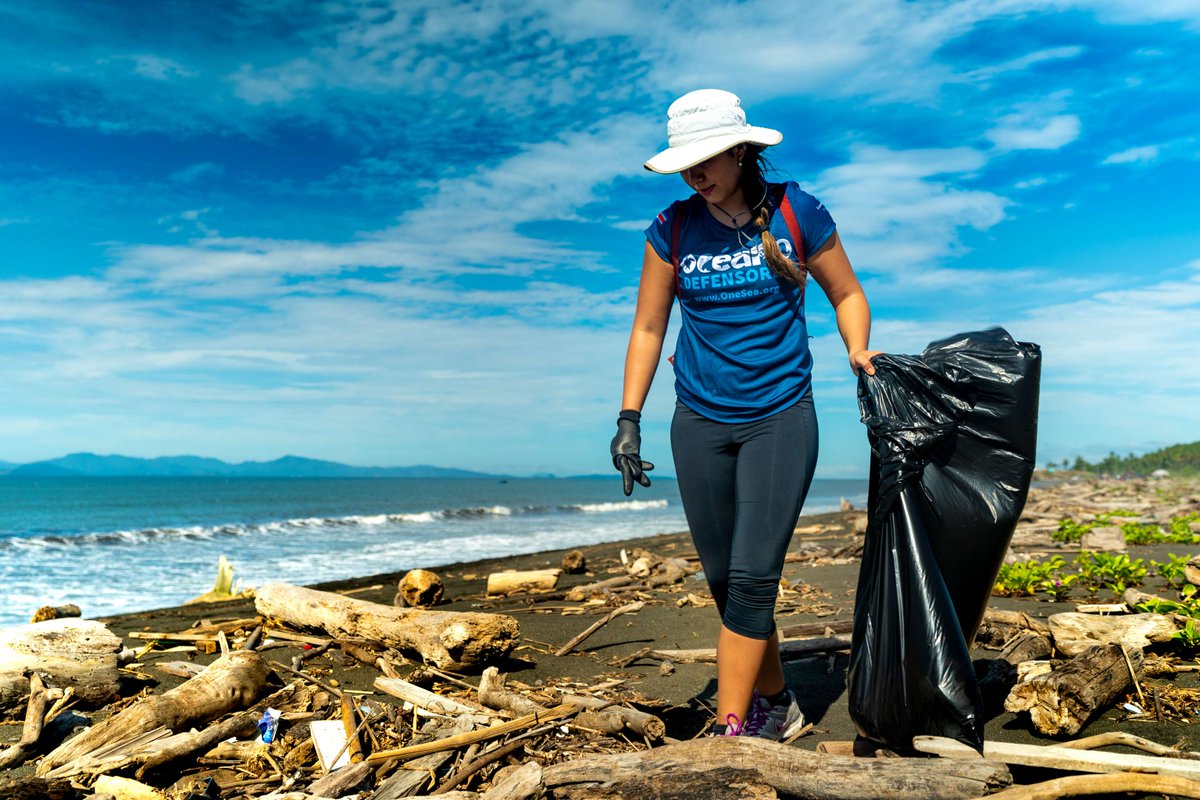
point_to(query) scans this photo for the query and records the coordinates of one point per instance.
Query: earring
(739, 163)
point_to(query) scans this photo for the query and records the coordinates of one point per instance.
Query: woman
(744, 435)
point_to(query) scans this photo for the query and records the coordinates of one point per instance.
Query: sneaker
(733, 727)
(773, 722)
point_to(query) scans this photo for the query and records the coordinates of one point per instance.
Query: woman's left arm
(830, 267)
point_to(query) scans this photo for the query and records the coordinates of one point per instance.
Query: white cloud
(465, 224)
(1022, 63)
(1021, 132)
(1134, 155)
(899, 209)
(159, 68)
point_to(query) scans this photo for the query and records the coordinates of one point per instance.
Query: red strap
(789, 216)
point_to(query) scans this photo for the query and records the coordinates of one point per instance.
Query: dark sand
(684, 697)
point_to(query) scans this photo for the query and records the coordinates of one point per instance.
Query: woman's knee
(750, 605)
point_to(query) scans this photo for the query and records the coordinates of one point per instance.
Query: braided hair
(754, 185)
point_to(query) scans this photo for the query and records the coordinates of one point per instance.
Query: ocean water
(114, 545)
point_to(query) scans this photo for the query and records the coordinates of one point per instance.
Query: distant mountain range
(92, 465)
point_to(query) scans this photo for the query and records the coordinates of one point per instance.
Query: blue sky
(404, 233)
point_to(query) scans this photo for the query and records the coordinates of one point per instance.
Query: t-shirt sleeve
(658, 234)
(815, 222)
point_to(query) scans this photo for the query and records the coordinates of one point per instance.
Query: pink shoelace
(757, 717)
(734, 726)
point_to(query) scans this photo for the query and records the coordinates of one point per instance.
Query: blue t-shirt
(742, 352)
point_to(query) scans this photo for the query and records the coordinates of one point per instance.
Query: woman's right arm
(656, 292)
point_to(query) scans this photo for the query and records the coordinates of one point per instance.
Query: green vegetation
(1173, 571)
(1179, 530)
(1179, 459)
(1092, 571)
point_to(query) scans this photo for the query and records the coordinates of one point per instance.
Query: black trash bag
(953, 436)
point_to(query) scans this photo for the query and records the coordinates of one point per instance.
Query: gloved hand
(625, 450)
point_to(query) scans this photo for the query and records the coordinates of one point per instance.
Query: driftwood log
(35, 717)
(509, 582)
(419, 588)
(125, 789)
(423, 698)
(1117, 783)
(1062, 701)
(446, 639)
(1074, 632)
(56, 612)
(79, 654)
(231, 682)
(790, 770)
(788, 648)
(639, 722)
(1061, 758)
(493, 694)
(1027, 646)
(27, 787)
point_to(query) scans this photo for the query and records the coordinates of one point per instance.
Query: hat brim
(677, 159)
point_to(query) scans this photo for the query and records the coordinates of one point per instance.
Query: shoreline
(821, 579)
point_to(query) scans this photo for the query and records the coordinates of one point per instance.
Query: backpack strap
(793, 226)
(789, 216)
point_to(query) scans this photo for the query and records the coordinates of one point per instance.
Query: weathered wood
(1104, 539)
(446, 639)
(229, 683)
(126, 789)
(1027, 646)
(80, 654)
(578, 639)
(56, 612)
(423, 698)
(720, 783)
(493, 695)
(1074, 632)
(574, 562)
(29, 787)
(787, 648)
(583, 592)
(806, 629)
(351, 726)
(35, 717)
(1062, 701)
(528, 580)
(1191, 570)
(342, 781)
(639, 722)
(522, 783)
(1126, 740)
(1102, 608)
(798, 773)
(1117, 783)
(412, 751)
(420, 588)
(1060, 758)
(605, 722)
(1016, 619)
(243, 723)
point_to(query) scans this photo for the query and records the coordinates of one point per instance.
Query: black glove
(625, 447)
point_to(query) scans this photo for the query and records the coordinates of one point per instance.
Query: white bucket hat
(703, 123)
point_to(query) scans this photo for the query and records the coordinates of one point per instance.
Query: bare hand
(860, 361)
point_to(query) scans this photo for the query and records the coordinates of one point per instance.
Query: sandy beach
(820, 581)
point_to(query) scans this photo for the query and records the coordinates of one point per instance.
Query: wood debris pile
(269, 717)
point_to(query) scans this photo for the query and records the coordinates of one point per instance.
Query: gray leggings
(742, 486)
